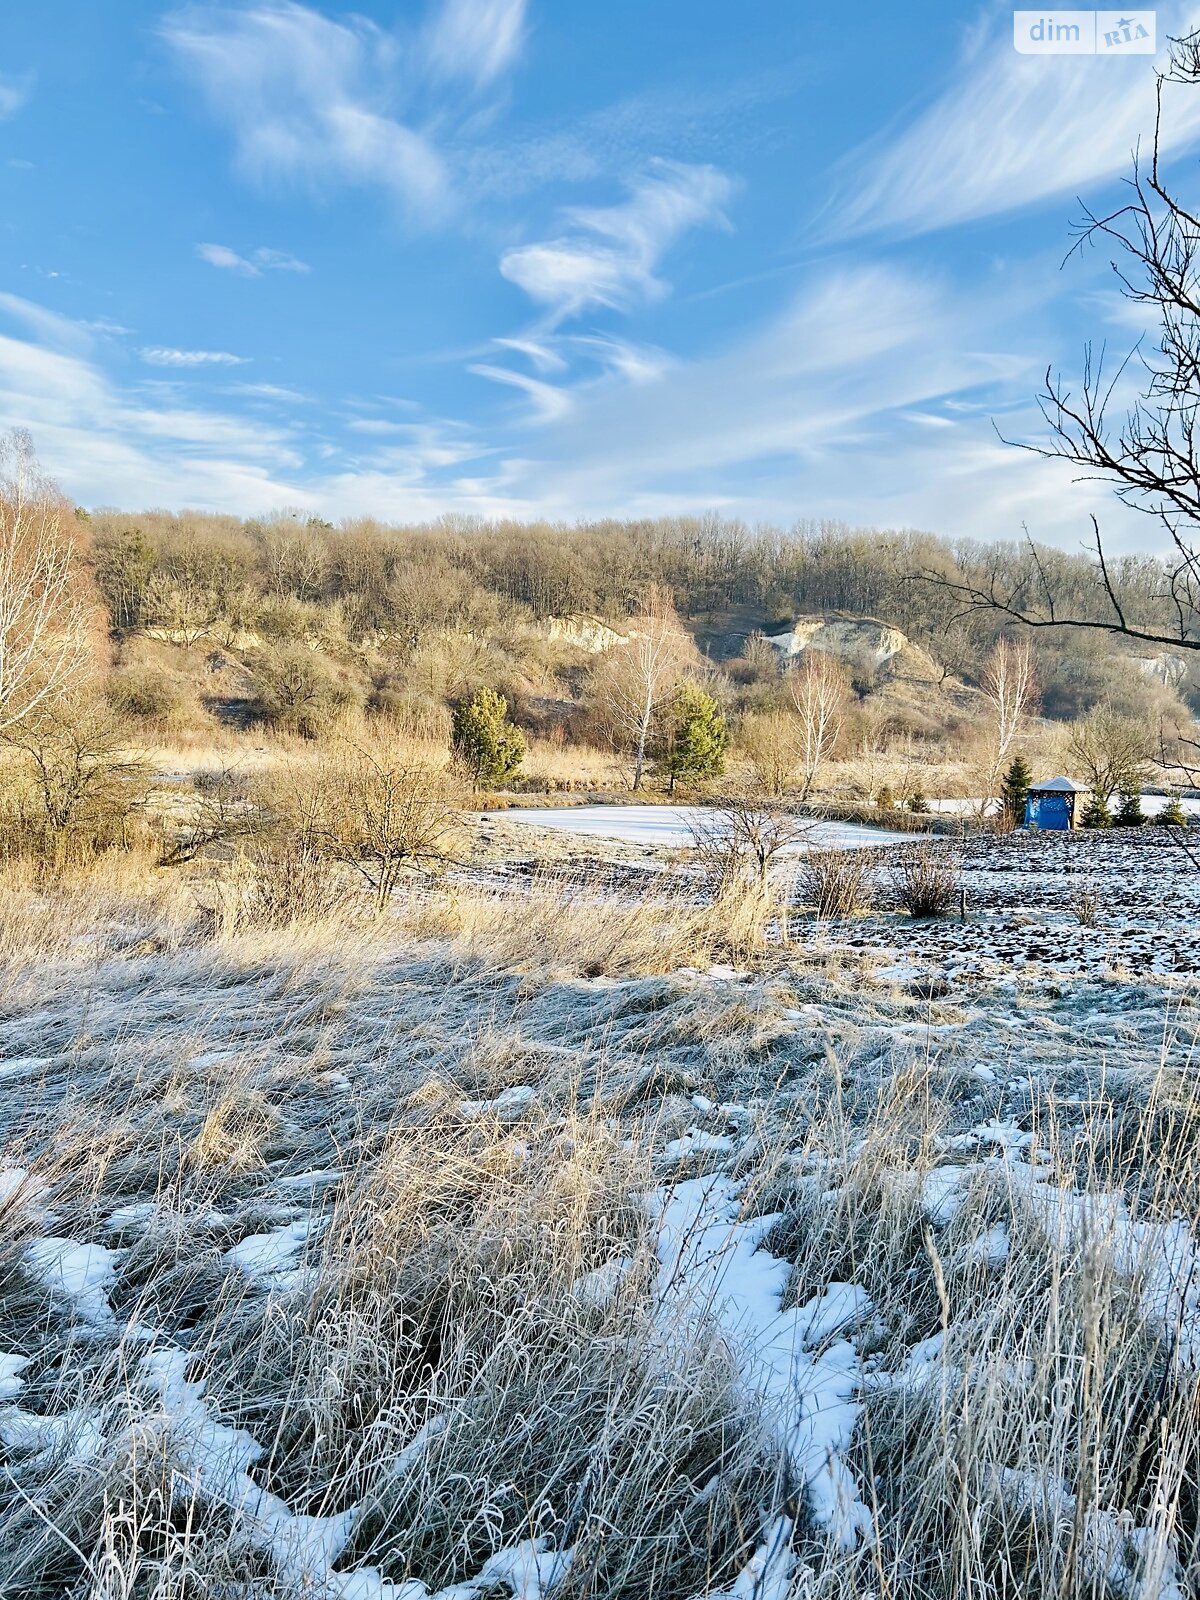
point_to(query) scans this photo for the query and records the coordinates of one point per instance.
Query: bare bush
(836, 883)
(774, 743)
(299, 692)
(224, 809)
(147, 696)
(76, 787)
(925, 881)
(372, 808)
(739, 844)
(43, 625)
(276, 884)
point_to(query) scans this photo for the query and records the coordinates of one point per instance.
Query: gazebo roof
(1058, 786)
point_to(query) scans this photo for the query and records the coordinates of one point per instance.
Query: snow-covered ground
(1152, 804)
(337, 1270)
(672, 826)
(1067, 904)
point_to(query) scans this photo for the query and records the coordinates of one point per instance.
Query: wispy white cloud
(117, 446)
(15, 92)
(251, 266)
(635, 363)
(270, 391)
(538, 351)
(476, 39)
(1009, 132)
(865, 364)
(164, 356)
(48, 327)
(550, 403)
(308, 99)
(142, 444)
(610, 255)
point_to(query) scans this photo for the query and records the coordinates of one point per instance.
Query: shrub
(925, 882)
(76, 788)
(285, 619)
(1085, 903)
(370, 808)
(413, 714)
(918, 804)
(488, 745)
(772, 742)
(145, 695)
(277, 884)
(299, 692)
(836, 883)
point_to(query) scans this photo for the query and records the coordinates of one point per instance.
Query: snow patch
(81, 1272)
(713, 1269)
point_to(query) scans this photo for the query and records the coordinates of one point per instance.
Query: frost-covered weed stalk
(466, 1256)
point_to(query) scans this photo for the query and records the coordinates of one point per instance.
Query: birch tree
(1009, 685)
(43, 622)
(634, 679)
(819, 692)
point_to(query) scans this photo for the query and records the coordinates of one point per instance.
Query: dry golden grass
(462, 1340)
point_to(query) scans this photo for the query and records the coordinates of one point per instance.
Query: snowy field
(1152, 804)
(671, 826)
(375, 1263)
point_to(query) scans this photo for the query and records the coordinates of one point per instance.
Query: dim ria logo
(1084, 33)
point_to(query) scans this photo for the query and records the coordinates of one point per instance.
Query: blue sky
(508, 257)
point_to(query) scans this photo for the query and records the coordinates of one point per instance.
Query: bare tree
(633, 679)
(819, 691)
(1009, 684)
(1112, 751)
(43, 622)
(772, 740)
(1151, 455)
(745, 835)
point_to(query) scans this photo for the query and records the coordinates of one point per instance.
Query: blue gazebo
(1055, 806)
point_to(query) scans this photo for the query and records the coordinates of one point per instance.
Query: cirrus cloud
(164, 356)
(609, 255)
(251, 266)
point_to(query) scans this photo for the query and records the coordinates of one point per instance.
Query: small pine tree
(489, 746)
(1129, 812)
(1014, 792)
(918, 804)
(1172, 815)
(885, 799)
(697, 736)
(1096, 813)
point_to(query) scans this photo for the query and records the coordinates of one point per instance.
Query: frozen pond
(671, 826)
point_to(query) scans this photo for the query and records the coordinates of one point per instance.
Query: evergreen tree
(1014, 792)
(1096, 813)
(1129, 812)
(1172, 815)
(697, 736)
(484, 740)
